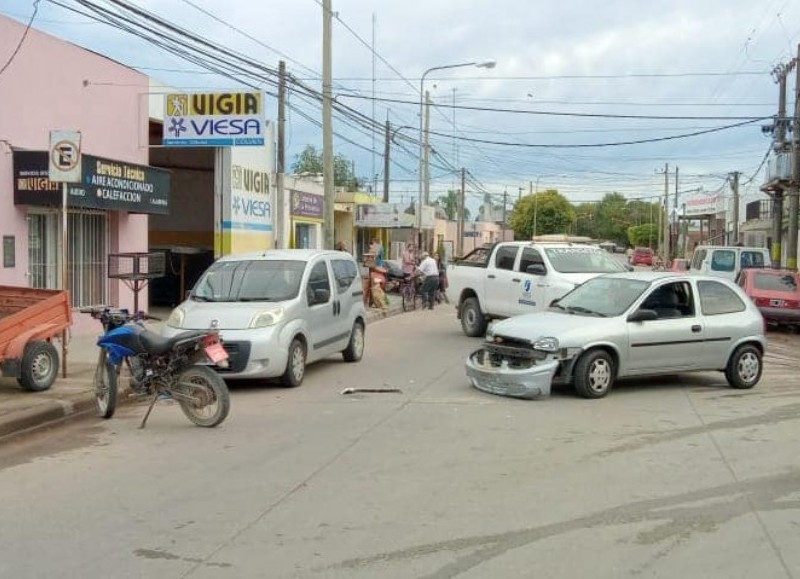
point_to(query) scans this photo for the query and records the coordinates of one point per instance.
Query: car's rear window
(582, 260)
(250, 281)
(775, 282)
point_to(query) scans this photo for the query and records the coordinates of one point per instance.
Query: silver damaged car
(624, 325)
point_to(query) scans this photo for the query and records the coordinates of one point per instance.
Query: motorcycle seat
(156, 344)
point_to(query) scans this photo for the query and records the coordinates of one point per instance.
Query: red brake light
(762, 302)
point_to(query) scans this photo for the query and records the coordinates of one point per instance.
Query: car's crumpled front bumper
(530, 382)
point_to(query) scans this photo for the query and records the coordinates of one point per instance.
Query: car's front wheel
(744, 367)
(594, 374)
(295, 366)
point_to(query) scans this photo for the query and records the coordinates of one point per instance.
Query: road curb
(44, 414)
(51, 412)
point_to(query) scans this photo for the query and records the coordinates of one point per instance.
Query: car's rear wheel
(744, 367)
(473, 322)
(594, 374)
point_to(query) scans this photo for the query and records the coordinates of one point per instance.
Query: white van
(278, 310)
(727, 260)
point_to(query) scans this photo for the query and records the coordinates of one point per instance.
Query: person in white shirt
(430, 270)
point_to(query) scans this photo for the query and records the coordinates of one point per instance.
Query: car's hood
(223, 315)
(571, 330)
(579, 278)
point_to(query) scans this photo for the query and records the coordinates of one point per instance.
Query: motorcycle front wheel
(211, 399)
(105, 386)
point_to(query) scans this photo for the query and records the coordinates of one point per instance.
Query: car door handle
(516, 280)
(696, 328)
(491, 276)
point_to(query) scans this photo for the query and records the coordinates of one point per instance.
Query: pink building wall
(52, 84)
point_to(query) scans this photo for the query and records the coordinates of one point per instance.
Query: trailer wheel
(39, 366)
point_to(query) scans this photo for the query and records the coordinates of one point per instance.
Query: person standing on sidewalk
(430, 270)
(409, 259)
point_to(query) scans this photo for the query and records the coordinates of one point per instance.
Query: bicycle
(410, 290)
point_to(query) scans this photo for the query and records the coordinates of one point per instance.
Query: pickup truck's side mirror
(643, 315)
(536, 269)
(629, 267)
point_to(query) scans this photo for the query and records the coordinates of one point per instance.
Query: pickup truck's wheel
(594, 374)
(473, 322)
(744, 367)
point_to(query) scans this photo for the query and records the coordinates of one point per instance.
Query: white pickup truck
(520, 277)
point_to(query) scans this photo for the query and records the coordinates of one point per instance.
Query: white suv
(278, 310)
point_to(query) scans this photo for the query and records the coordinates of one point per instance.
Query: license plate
(216, 353)
(776, 303)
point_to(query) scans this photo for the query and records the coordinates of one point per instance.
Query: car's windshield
(602, 296)
(582, 260)
(255, 281)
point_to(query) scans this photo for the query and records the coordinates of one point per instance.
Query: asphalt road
(677, 477)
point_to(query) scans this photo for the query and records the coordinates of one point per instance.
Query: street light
(422, 176)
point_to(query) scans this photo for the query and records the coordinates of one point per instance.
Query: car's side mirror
(536, 269)
(629, 267)
(643, 315)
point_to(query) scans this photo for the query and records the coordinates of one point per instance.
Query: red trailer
(29, 320)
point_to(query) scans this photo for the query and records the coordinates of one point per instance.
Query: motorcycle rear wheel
(105, 387)
(214, 399)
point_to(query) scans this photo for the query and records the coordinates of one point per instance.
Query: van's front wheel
(473, 322)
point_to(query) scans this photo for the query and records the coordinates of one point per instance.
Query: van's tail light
(762, 302)
(792, 304)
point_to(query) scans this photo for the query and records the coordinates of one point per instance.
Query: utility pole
(665, 231)
(281, 226)
(386, 164)
(779, 146)
(535, 201)
(461, 211)
(327, 126)
(794, 195)
(735, 188)
(505, 202)
(677, 219)
(427, 163)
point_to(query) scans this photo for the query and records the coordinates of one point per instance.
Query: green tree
(645, 235)
(310, 161)
(553, 214)
(449, 203)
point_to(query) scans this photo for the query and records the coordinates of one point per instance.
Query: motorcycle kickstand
(149, 410)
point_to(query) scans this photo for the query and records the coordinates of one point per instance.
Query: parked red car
(642, 256)
(776, 292)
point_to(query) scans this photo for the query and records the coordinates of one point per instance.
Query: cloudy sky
(704, 64)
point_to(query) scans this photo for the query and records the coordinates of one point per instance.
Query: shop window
(87, 248)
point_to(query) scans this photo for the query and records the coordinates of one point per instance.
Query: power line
(594, 145)
(22, 39)
(564, 114)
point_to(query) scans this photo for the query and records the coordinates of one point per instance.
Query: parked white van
(278, 310)
(727, 260)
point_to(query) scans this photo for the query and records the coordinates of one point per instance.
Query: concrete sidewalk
(73, 395)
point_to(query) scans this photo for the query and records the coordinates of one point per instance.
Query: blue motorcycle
(177, 367)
